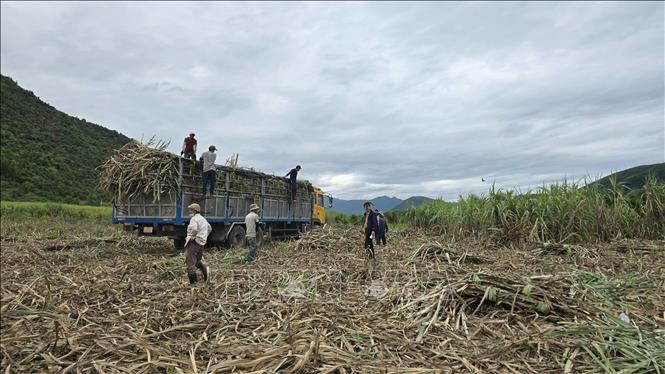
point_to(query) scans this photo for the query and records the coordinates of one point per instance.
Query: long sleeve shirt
(293, 174)
(198, 229)
(370, 222)
(382, 226)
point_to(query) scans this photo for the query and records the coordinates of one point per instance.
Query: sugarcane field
(375, 187)
(104, 300)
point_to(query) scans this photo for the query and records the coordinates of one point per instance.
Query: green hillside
(48, 155)
(634, 178)
(412, 202)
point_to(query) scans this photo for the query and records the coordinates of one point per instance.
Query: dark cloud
(371, 98)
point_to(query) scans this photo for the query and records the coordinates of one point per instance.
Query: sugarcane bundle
(139, 169)
(435, 251)
(451, 300)
(563, 250)
(327, 238)
(628, 245)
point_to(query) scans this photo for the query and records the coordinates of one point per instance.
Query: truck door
(319, 212)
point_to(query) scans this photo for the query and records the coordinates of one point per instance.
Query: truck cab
(319, 199)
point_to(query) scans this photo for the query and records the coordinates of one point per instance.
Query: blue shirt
(294, 174)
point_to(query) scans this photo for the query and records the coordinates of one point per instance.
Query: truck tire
(237, 237)
(178, 244)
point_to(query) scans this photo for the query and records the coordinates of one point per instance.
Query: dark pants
(209, 178)
(191, 155)
(251, 249)
(381, 239)
(294, 189)
(369, 246)
(193, 254)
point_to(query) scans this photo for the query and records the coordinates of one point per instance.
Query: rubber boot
(370, 253)
(204, 269)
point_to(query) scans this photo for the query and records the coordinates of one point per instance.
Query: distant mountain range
(412, 202)
(634, 178)
(382, 203)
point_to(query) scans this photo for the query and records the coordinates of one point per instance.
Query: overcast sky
(371, 99)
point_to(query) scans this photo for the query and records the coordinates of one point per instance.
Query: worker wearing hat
(251, 225)
(189, 147)
(197, 236)
(209, 170)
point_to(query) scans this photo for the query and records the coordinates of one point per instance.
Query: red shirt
(189, 144)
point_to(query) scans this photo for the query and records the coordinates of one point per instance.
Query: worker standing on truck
(189, 147)
(209, 169)
(197, 236)
(370, 229)
(294, 183)
(251, 225)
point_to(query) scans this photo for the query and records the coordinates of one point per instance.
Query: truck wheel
(178, 244)
(237, 237)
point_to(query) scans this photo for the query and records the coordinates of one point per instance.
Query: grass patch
(46, 221)
(616, 347)
(20, 209)
(619, 292)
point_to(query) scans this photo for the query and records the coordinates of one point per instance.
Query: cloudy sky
(371, 99)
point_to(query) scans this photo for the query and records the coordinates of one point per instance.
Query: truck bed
(235, 191)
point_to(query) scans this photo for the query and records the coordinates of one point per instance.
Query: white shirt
(209, 160)
(250, 224)
(199, 229)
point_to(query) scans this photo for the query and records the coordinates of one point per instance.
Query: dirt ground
(123, 304)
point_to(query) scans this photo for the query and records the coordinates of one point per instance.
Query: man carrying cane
(197, 235)
(370, 229)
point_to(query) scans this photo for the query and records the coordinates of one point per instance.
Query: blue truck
(225, 209)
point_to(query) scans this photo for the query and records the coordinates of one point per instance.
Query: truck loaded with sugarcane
(152, 188)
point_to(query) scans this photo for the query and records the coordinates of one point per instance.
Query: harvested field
(427, 305)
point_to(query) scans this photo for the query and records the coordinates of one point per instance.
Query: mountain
(382, 203)
(634, 178)
(412, 202)
(48, 155)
